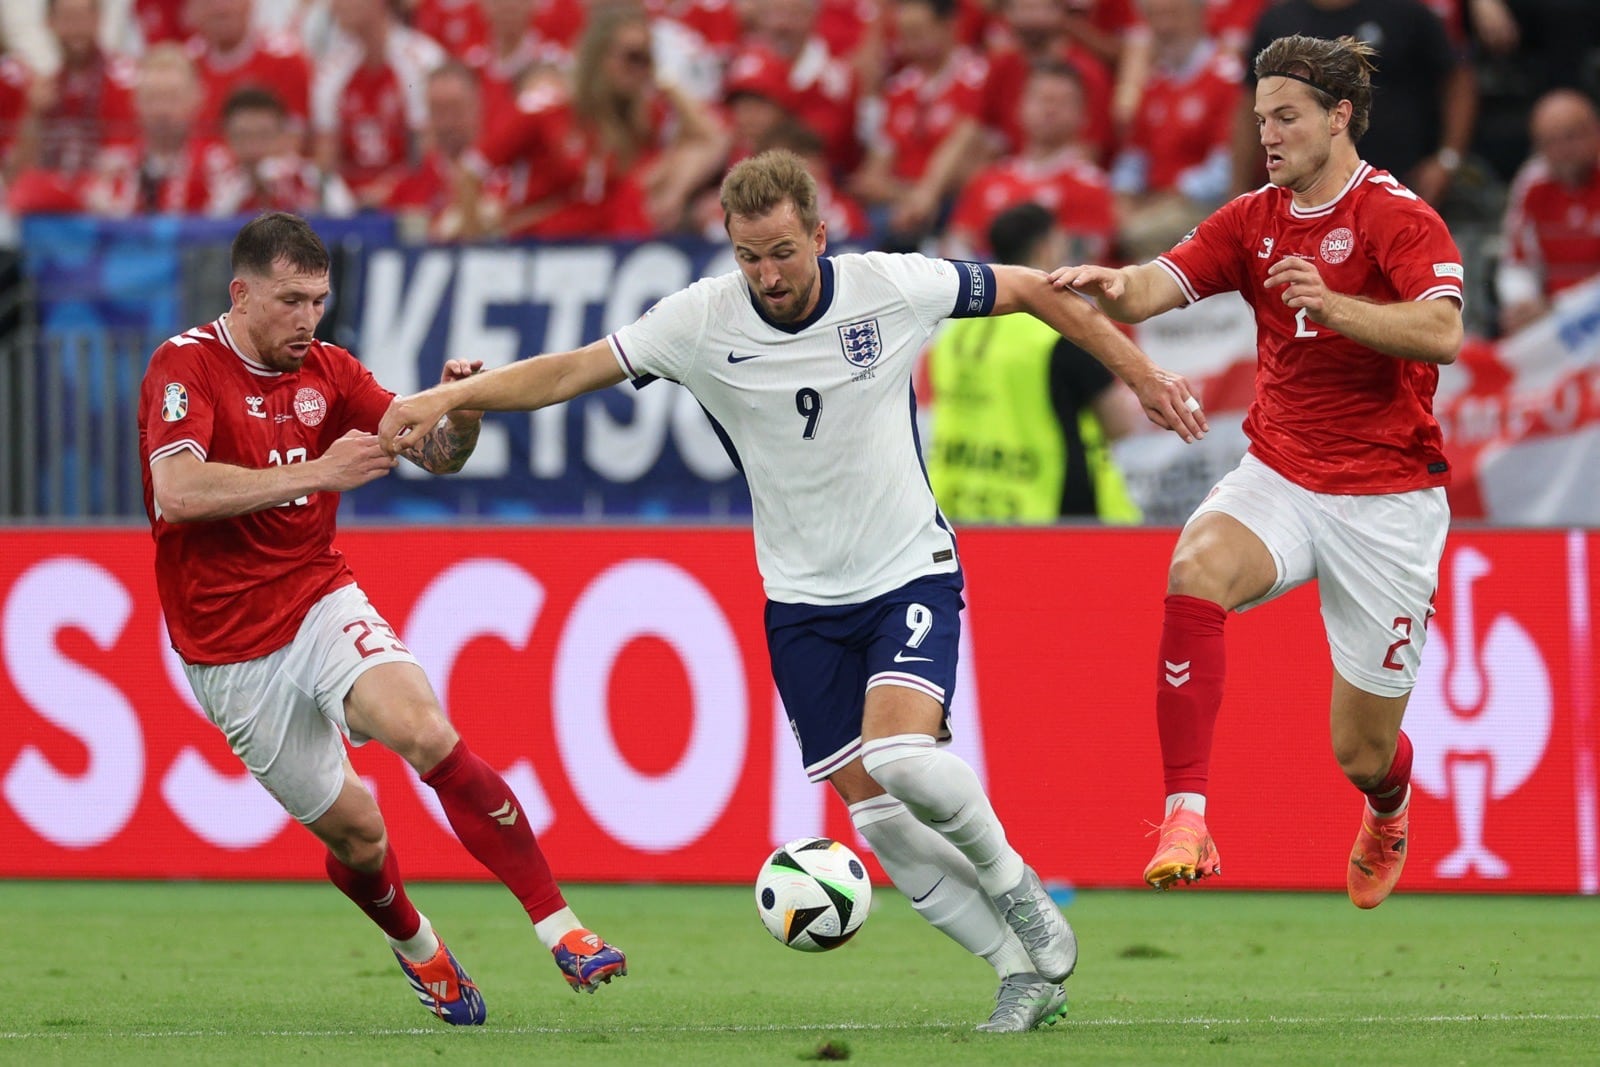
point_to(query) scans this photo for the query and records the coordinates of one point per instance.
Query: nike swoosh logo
(901, 657)
(929, 893)
(744, 359)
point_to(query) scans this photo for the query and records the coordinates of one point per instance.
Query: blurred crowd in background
(923, 120)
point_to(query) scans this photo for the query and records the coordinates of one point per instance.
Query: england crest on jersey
(861, 342)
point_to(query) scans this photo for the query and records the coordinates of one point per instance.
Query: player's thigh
(912, 655)
(393, 704)
(1248, 542)
(365, 679)
(274, 726)
(1378, 562)
(821, 677)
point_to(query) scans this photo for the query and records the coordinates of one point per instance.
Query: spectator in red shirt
(15, 81)
(458, 25)
(757, 98)
(367, 104)
(512, 49)
(162, 21)
(72, 115)
(1040, 30)
(1175, 165)
(1051, 169)
(425, 198)
(1552, 223)
(156, 172)
(931, 137)
(826, 92)
(229, 52)
(608, 154)
(259, 167)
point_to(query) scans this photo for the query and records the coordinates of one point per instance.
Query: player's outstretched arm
(1127, 294)
(1166, 397)
(187, 488)
(525, 385)
(448, 445)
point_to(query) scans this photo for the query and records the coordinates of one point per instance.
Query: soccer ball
(813, 894)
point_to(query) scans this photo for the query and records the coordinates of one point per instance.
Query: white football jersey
(820, 414)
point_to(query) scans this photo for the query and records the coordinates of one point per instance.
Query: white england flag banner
(1521, 420)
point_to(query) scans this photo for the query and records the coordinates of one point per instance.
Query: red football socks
(380, 893)
(1189, 690)
(1389, 795)
(487, 818)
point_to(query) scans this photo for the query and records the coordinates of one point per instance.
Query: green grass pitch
(116, 973)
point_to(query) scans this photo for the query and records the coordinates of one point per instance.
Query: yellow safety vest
(999, 450)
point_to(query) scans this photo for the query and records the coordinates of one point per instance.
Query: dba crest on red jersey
(174, 402)
(1337, 246)
(310, 407)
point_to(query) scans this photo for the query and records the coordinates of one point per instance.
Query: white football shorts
(283, 713)
(1375, 559)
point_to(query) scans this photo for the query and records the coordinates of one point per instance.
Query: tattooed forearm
(447, 446)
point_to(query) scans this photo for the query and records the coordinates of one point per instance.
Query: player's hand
(454, 371)
(1170, 404)
(408, 421)
(1302, 287)
(1093, 281)
(354, 460)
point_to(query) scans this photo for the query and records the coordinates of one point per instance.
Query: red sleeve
(519, 131)
(176, 406)
(1416, 252)
(1208, 260)
(363, 400)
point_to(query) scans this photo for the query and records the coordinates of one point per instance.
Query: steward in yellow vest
(1015, 435)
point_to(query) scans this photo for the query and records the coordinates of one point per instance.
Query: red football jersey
(266, 61)
(1553, 229)
(458, 25)
(921, 110)
(235, 589)
(1009, 70)
(558, 182)
(1176, 126)
(1330, 414)
(376, 109)
(14, 82)
(1074, 190)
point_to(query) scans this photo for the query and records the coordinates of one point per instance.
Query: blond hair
(759, 185)
(622, 124)
(1333, 70)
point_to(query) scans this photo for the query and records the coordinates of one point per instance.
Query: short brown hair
(266, 239)
(759, 185)
(1333, 70)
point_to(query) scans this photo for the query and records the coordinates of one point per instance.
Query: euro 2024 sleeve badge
(174, 402)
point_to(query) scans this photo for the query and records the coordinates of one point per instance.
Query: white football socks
(420, 946)
(940, 883)
(945, 794)
(1195, 802)
(558, 924)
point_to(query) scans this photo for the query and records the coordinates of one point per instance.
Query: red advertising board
(619, 679)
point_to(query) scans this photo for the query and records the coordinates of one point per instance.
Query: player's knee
(898, 764)
(426, 739)
(362, 844)
(1362, 761)
(1190, 574)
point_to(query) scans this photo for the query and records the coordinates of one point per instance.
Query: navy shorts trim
(826, 657)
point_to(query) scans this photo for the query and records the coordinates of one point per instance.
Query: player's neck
(1326, 184)
(240, 338)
